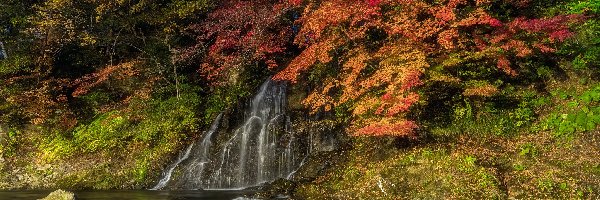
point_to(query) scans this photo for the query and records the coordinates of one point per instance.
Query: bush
(580, 113)
(8, 143)
(153, 122)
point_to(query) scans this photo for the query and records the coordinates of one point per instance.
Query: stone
(60, 195)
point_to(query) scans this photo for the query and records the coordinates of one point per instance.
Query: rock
(60, 195)
(278, 189)
(318, 164)
(325, 135)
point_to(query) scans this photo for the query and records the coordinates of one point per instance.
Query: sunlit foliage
(381, 49)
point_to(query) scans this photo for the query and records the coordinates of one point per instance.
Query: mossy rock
(60, 195)
(278, 189)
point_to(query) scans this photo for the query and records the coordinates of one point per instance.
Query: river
(136, 195)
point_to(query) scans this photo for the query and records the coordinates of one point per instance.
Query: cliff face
(35, 164)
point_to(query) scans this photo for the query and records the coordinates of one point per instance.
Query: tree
(379, 51)
(61, 50)
(237, 34)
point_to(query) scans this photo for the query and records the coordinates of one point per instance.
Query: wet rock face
(261, 140)
(315, 166)
(327, 141)
(253, 144)
(324, 135)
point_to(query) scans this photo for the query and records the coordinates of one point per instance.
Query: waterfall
(262, 148)
(167, 174)
(2, 52)
(203, 158)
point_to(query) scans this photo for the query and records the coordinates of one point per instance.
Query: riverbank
(131, 194)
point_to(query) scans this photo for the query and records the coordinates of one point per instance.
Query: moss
(60, 195)
(469, 166)
(122, 149)
(424, 173)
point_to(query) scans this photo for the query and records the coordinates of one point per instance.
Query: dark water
(135, 195)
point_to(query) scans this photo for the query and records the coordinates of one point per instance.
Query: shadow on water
(136, 195)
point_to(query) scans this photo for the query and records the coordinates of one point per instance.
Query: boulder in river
(60, 195)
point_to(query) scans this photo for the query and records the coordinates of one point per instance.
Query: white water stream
(261, 149)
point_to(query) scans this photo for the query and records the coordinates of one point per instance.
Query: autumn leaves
(377, 75)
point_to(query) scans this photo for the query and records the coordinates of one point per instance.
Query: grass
(485, 153)
(119, 149)
(424, 173)
(496, 167)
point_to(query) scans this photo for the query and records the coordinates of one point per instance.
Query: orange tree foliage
(399, 68)
(478, 31)
(122, 71)
(380, 49)
(380, 97)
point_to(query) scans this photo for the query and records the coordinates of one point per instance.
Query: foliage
(585, 48)
(159, 124)
(376, 52)
(460, 166)
(591, 6)
(123, 84)
(237, 34)
(60, 50)
(580, 113)
(8, 143)
(410, 36)
(373, 173)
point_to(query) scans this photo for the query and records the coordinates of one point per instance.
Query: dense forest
(436, 98)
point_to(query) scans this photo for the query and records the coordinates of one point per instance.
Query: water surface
(135, 195)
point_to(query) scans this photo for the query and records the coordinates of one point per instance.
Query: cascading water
(261, 149)
(202, 151)
(2, 52)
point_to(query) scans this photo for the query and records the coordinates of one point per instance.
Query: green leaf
(586, 98)
(585, 109)
(595, 95)
(570, 130)
(595, 118)
(581, 119)
(524, 151)
(563, 95)
(573, 104)
(590, 126)
(571, 117)
(562, 128)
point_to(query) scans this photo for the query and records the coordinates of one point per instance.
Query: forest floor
(466, 166)
(545, 147)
